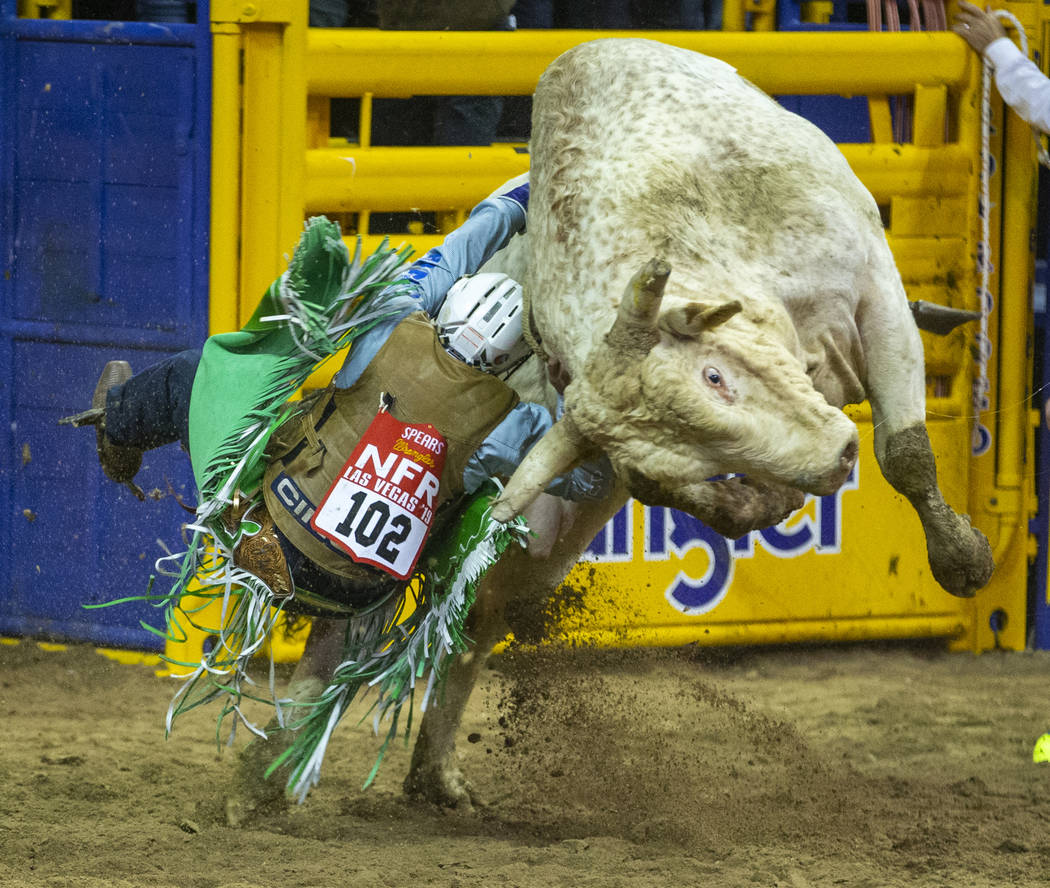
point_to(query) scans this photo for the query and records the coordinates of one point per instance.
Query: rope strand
(982, 387)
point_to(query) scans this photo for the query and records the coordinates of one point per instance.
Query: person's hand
(977, 26)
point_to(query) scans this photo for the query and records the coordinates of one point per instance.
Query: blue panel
(138, 278)
(57, 268)
(140, 219)
(103, 174)
(138, 150)
(842, 119)
(123, 33)
(80, 538)
(846, 15)
(58, 145)
(104, 164)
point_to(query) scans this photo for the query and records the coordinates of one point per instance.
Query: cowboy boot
(120, 463)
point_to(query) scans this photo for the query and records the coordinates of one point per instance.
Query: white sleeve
(1020, 82)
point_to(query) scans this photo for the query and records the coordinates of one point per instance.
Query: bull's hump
(684, 124)
(644, 76)
(657, 99)
(640, 54)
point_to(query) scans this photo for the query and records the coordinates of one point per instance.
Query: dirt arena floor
(874, 765)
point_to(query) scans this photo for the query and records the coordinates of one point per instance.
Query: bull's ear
(690, 320)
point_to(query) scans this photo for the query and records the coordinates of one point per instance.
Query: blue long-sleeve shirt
(488, 229)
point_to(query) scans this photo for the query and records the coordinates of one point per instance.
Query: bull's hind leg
(959, 554)
(564, 532)
(252, 793)
(434, 774)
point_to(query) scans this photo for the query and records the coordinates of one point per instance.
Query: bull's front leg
(959, 555)
(563, 532)
(731, 507)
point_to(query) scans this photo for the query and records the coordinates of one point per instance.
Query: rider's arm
(490, 226)
(504, 448)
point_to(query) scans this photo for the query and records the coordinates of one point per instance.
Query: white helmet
(480, 322)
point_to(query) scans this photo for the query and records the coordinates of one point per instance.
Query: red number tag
(380, 507)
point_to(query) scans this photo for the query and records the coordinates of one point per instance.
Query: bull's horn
(940, 319)
(556, 452)
(690, 320)
(634, 330)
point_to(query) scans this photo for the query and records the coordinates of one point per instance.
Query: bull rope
(982, 386)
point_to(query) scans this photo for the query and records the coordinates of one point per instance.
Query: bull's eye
(714, 378)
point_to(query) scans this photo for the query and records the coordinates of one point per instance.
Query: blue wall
(105, 151)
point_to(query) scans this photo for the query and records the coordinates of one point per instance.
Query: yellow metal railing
(274, 98)
(273, 164)
(392, 64)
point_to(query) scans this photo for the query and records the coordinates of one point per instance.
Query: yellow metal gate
(848, 566)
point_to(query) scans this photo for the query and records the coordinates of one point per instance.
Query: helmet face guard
(480, 322)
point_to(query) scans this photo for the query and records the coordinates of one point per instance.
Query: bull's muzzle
(835, 476)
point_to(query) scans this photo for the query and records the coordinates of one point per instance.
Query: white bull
(780, 304)
(717, 283)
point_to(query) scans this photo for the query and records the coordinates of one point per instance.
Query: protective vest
(421, 383)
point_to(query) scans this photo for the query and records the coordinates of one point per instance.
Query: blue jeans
(153, 407)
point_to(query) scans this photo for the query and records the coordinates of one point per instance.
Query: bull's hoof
(252, 795)
(445, 787)
(961, 559)
(245, 806)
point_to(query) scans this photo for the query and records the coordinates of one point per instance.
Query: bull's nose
(836, 472)
(848, 458)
